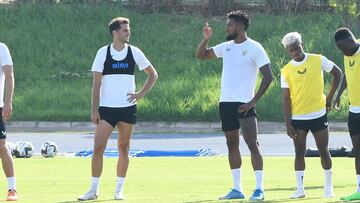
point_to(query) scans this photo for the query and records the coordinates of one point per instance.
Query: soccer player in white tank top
(114, 100)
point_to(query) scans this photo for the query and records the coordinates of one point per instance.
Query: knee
(99, 150)
(3, 150)
(253, 145)
(232, 144)
(324, 152)
(299, 154)
(123, 147)
(356, 152)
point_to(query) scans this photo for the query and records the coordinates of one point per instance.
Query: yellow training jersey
(306, 85)
(352, 73)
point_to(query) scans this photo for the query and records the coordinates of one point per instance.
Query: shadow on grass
(77, 201)
(265, 201)
(279, 200)
(201, 201)
(306, 188)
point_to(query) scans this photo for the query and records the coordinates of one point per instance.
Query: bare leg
(322, 141)
(232, 141)
(102, 134)
(249, 131)
(356, 147)
(125, 132)
(300, 147)
(6, 159)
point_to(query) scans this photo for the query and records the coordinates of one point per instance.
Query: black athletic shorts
(2, 127)
(230, 116)
(354, 124)
(115, 115)
(314, 125)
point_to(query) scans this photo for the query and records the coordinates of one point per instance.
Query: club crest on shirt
(228, 49)
(351, 64)
(302, 72)
(244, 52)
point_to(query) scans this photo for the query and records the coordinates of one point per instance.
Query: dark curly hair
(240, 16)
(343, 33)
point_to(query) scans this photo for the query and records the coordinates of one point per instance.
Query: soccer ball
(11, 147)
(49, 149)
(23, 150)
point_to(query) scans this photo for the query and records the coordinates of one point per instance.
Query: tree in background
(296, 6)
(350, 10)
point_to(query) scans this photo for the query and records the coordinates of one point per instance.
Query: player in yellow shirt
(305, 106)
(350, 47)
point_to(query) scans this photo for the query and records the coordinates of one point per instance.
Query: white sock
(11, 183)
(236, 174)
(120, 181)
(259, 174)
(300, 180)
(328, 180)
(95, 184)
(358, 183)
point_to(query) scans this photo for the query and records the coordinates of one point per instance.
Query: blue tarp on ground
(152, 153)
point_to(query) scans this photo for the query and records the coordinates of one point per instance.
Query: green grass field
(186, 180)
(47, 40)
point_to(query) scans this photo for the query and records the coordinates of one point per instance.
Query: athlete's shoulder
(104, 48)
(225, 43)
(255, 46)
(254, 43)
(135, 48)
(285, 67)
(3, 46)
(312, 55)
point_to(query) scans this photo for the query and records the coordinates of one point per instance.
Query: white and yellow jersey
(352, 73)
(306, 85)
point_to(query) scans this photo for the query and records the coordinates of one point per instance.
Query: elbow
(200, 56)
(340, 73)
(155, 76)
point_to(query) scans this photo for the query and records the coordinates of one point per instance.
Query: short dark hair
(343, 33)
(239, 16)
(116, 23)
